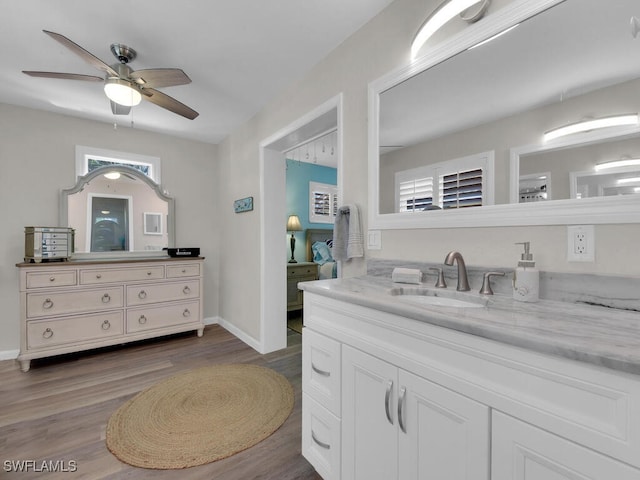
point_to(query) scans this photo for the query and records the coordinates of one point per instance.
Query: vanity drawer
(65, 330)
(55, 278)
(321, 373)
(183, 270)
(63, 303)
(126, 274)
(154, 293)
(321, 443)
(149, 318)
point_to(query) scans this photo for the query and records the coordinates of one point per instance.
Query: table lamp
(293, 225)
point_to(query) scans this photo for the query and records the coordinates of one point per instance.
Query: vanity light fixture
(592, 124)
(624, 181)
(112, 175)
(443, 14)
(121, 92)
(627, 162)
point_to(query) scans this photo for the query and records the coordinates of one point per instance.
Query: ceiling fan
(124, 86)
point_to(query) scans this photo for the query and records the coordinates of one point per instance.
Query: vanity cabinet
(422, 401)
(399, 425)
(73, 306)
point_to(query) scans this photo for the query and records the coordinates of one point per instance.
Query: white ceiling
(239, 54)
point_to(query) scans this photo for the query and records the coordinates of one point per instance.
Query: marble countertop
(603, 336)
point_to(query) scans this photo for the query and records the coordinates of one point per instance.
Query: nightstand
(298, 272)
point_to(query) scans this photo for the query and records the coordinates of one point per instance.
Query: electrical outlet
(580, 243)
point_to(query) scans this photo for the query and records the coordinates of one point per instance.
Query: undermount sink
(437, 298)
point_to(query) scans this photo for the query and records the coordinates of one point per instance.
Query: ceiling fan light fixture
(120, 91)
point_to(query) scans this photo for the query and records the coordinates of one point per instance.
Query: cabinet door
(369, 431)
(443, 435)
(523, 452)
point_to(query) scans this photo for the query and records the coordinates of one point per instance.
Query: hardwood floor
(57, 412)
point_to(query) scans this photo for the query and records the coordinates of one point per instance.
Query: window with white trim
(458, 183)
(89, 158)
(323, 202)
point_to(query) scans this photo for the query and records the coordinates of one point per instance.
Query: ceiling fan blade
(170, 103)
(118, 109)
(64, 76)
(82, 53)
(160, 77)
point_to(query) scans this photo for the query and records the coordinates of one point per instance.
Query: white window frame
(332, 192)
(435, 171)
(83, 154)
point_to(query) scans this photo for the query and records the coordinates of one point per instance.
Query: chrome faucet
(463, 281)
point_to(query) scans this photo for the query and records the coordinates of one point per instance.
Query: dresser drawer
(309, 272)
(154, 293)
(50, 333)
(54, 278)
(126, 274)
(183, 270)
(63, 303)
(321, 374)
(149, 318)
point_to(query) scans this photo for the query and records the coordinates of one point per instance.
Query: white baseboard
(9, 354)
(211, 320)
(242, 335)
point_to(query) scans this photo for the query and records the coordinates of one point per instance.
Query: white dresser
(73, 306)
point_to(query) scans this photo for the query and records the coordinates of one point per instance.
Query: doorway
(273, 216)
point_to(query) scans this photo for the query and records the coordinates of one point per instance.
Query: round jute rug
(200, 416)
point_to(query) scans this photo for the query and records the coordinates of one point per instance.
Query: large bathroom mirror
(456, 138)
(109, 208)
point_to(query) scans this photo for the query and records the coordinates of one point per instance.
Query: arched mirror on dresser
(457, 137)
(118, 211)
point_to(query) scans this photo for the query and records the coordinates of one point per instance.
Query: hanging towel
(348, 241)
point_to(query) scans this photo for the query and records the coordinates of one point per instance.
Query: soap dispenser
(526, 277)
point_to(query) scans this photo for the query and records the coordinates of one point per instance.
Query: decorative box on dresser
(298, 272)
(79, 305)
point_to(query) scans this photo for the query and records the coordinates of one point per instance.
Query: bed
(319, 242)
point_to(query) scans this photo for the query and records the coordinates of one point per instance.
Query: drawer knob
(48, 333)
(142, 295)
(106, 325)
(148, 273)
(106, 298)
(326, 446)
(184, 270)
(186, 313)
(186, 290)
(47, 304)
(142, 320)
(98, 276)
(52, 279)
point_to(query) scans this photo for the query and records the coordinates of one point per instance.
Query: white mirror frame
(624, 209)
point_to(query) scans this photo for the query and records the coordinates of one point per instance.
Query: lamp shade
(293, 224)
(120, 91)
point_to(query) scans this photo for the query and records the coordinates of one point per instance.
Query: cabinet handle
(106, 298)
(98, 276)
(184, 270)
(142, 294)
(186, 290)
(47, 304)
(142, 320)
(148, 273)
(387, 401)
(106, 325)
(52, 279)
(186, 313)
(401, 400)
(326, 446)
(48, 333)
(324, 373)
